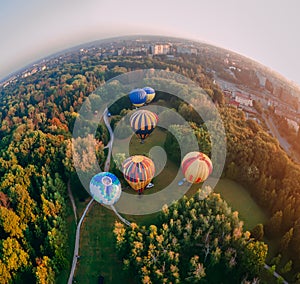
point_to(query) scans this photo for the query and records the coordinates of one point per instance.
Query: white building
(293, 124)
(187, 50)
(243, 99)
(158, 49)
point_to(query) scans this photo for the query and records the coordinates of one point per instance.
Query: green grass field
(240, 200)
(156, 138)
(98, 254)
(97, 251)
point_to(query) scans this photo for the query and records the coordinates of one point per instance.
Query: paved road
(106, 168)
(272, 127)
(77, 238)
(111, 141)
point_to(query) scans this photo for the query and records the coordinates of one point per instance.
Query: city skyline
(265, 32)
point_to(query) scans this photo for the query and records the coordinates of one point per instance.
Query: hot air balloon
(138, 97)
(196, 167)
(138, 171)
(150, 94)
(105, 188)
(143, 122)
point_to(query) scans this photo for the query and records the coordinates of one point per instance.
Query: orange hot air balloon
(196, 167)
(138, 171)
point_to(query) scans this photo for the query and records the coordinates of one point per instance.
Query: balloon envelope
(196, 167)
(143, 122)
(105, 188)
(138, 171)
(150, 94)
(138, 97)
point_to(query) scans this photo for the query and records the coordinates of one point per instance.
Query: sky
(264, 30)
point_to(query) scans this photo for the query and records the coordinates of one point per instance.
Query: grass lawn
(98, 254)
(240, 200)
(97, 250)
(156, 138)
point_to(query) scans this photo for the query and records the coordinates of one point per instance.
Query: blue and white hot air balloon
(105, 188)
(138, 97)
(150, 94)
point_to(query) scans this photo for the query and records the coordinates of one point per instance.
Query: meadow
(97, 249)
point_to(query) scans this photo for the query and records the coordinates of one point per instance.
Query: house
(227, 93)
(243, 99)
(234, 103)
(293, 124)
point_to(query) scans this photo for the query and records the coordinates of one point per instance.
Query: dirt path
(106, 168)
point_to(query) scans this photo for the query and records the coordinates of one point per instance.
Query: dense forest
(198, 240)
(36, 121)
(256, 160)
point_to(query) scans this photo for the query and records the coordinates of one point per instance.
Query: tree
(119, 158)
(83, 152)
(10, 223)
(167, 250)
(122, 130)
(170, 116)
(273, 226)
(257, 106)
(4, 200)
(180, 139)
(285, 240)
(86, 106)
(254, 257)
(13, 255)
(44, 272)
(276, 260)
(218, 96)
(287, 268)
(189, 114)
(295, 243)
(272, 269)
(197, 270)
(258, 232)
(95, 102)
(5, 275)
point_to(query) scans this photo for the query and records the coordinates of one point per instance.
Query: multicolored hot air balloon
(150, 94)
(196, 167)
(138, 171)
(105, 188)
(138, 97)
(143, 122)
